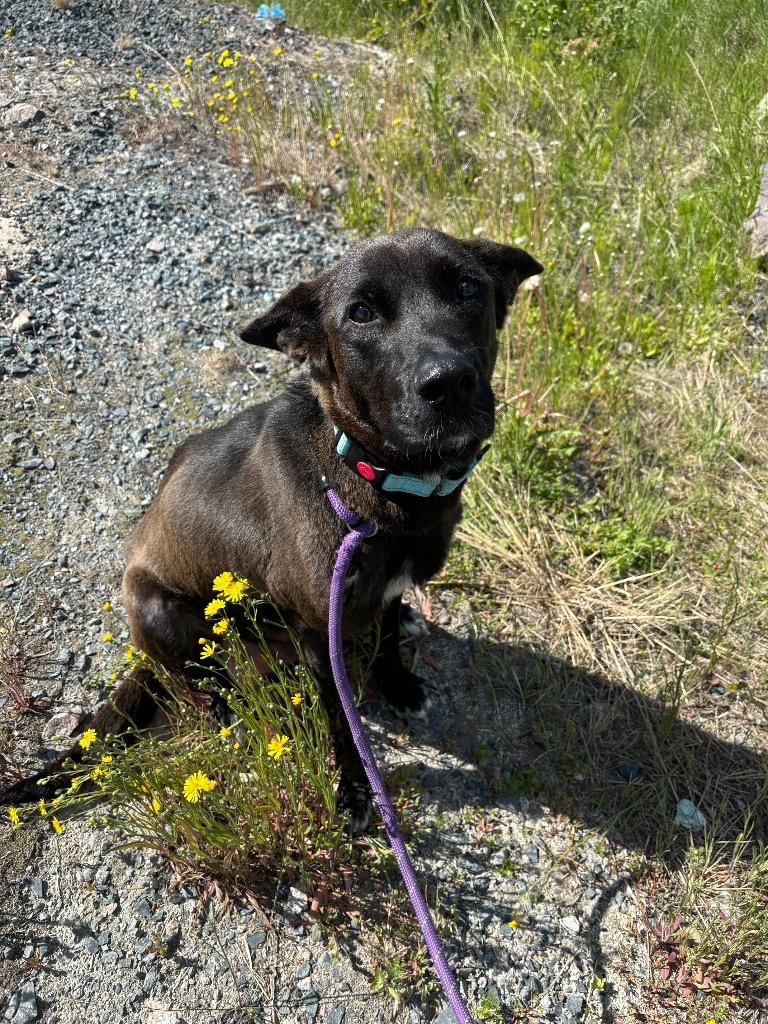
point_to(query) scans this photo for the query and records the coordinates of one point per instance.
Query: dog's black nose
(447, 381)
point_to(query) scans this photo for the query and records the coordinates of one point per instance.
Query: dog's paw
(353, 802)
(407, 695)
(412, 622)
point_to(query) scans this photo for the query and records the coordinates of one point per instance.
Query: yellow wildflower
(155, 805)
(236, 746)
(277, 747)
(75, 784)
(113, 677)
(511, 924)
(227, 63)
(175, 102)
(106, 759)
(221, 582)
(296, 699)
(97, 772)
(333, 143)
(221, 627)
(129, 652)
(41, 807)
(188, 61)
(214, 78)
(209, 649)
(106, 606)
(88, 737)
(235, 590)
(107, 638)
(13, 814)
(225, 732)
(197, 784)
(57, 826)
(278, 51)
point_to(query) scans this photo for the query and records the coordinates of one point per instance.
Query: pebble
(65, 723)
(575, 1003)
(630, 771)
(22, 1008)
(36, 885)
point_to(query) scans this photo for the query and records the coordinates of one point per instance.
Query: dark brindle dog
(399, 338)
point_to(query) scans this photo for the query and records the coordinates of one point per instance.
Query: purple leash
(358, 531)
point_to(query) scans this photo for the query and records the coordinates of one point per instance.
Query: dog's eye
(465, 289)
(362, 314)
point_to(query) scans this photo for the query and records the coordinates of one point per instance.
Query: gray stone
(447, 1016)
(20, 115)
(256, 940)
(630, 770)
(530, 853)
(575, 1003)
(65, 723)
(295, 904)
(336, 1016)
(36, 885)
(571, 924)
(26, 1009)
(303, 971)
(143, 908)
(22, 322)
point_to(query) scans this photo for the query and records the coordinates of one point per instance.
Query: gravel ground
(128, 256)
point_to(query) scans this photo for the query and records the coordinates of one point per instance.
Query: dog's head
(400, 339)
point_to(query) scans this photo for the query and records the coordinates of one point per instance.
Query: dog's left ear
(294, 324)
(507, 266)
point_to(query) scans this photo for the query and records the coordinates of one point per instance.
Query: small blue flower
(262, 12)
(277, 13)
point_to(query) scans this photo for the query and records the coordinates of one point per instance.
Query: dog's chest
(397, 584)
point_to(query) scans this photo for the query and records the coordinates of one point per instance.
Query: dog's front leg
(353, 798)
(404, 691)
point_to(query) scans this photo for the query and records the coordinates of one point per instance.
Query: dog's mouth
(454, 444)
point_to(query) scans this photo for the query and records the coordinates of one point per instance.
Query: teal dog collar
(356, 458)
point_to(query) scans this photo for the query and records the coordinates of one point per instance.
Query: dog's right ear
(294, 324)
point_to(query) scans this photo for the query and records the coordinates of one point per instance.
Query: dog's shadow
(526, 726)
(516, 730)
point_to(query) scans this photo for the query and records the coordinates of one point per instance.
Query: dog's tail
(130, 707)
